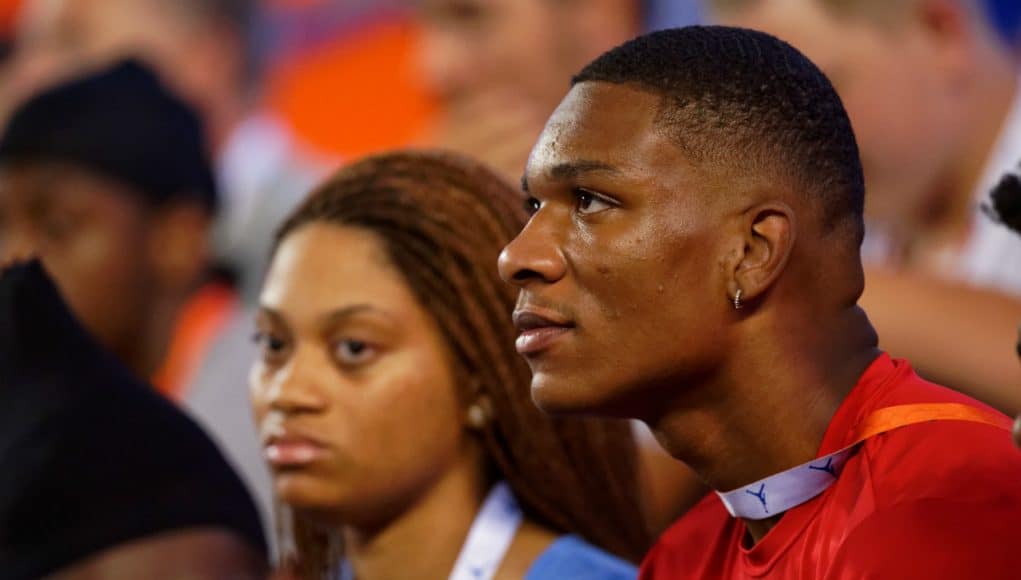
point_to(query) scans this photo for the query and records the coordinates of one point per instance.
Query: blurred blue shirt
(660, 14)
(1006, 18)
(570, 558)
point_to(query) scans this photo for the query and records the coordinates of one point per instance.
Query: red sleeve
(936, 539)
(649, 569)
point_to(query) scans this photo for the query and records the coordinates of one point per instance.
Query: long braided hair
(443, 220)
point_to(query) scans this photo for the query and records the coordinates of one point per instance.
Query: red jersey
(934, 500)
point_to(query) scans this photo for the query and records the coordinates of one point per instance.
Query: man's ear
(179, 245)
(769, 232)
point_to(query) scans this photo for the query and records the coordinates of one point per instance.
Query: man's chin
(565, 398)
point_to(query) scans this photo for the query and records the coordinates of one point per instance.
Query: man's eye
(590, 203)
(532, 205)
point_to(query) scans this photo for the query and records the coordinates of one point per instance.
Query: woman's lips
(538, 331)
(293, 452)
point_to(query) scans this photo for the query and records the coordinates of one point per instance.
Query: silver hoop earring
(737, 299)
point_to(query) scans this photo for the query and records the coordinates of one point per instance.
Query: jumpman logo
(828, 468)
(761, 494)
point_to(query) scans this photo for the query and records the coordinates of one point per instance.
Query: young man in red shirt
(693, 261)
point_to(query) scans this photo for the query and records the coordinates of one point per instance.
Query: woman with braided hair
(395, 411)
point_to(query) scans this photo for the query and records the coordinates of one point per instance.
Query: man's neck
(768, 411)
(429, 534)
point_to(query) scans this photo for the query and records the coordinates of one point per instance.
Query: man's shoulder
(932, 538)
(941, 458)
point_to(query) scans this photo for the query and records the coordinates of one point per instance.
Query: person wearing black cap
(100, 477)
(107, 179)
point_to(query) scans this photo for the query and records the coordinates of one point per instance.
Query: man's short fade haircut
(742, 103)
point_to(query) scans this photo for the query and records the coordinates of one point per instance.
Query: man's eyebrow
(573, 169)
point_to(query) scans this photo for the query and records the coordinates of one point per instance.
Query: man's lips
(538, 329)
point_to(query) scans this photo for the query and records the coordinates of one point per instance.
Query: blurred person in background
(394, 410)
(499, 68)
(106, 179)
(932, 92)
(205, 50)
(1006, 209)
(100, 476)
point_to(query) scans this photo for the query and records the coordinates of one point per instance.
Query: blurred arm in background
(968, 332)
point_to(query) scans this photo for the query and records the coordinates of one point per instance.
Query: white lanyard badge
(490, 536)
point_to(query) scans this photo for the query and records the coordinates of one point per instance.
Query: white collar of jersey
(782, 491)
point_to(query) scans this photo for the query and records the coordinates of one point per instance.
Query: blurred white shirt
(992, 256)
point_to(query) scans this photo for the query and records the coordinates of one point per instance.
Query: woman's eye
(353, 352)
(269, 345)
(590, 203)
(532, 205)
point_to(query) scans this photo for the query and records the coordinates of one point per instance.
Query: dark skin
(196, 554)
(361, 372)
(124, 267)
(638, 253)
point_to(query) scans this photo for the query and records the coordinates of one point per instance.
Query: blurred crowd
(160, 157)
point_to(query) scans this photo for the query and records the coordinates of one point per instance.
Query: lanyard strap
(488, 540)
(490, 536)
(782, 491)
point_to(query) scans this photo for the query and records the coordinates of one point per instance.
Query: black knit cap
(120, 122)
(90, 457)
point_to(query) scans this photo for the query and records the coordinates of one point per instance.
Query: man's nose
(534, 255)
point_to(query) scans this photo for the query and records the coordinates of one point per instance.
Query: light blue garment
(570, 558)
(660, 14)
